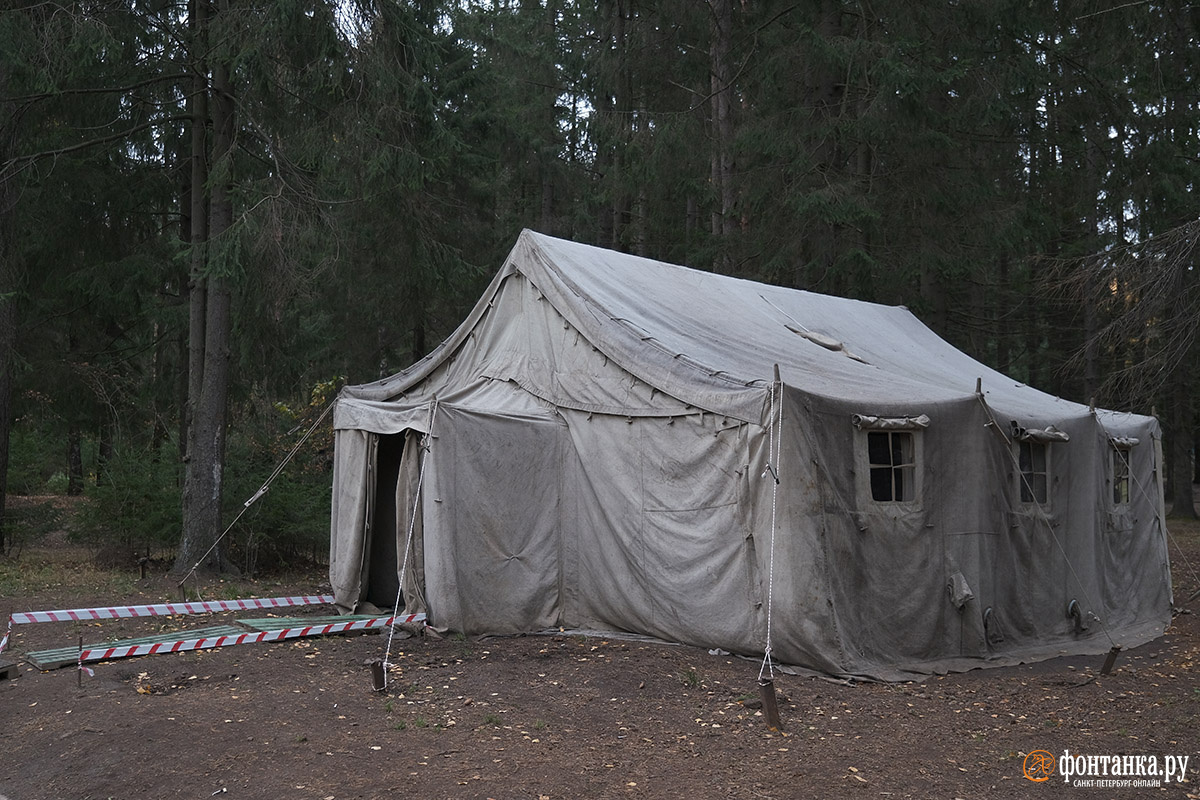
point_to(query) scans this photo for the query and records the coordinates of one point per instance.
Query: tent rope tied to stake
(426, 446)
(766, 684)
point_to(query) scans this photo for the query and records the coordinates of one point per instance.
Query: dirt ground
(548, 716)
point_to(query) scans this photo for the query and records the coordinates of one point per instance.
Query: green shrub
(28, 523)
(35, 455)
(288, 524)
(136, 507)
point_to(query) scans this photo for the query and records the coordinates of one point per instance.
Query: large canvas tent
(613, 443)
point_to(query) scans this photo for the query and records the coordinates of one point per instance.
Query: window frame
(1047, 472)
(1121, 454)
(914, 468)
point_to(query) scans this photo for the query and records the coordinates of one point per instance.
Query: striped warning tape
(157, 610)
(162, 609)
(128, 651)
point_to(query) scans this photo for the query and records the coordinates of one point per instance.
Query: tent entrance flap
(397, 464)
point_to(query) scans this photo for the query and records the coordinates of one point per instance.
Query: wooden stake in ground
(766, 690)
(1111, 659)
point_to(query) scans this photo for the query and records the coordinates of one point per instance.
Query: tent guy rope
(261, 491)
(774, 448)
(774, 440)
(426, 447)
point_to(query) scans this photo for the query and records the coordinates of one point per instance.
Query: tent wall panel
(492, 526)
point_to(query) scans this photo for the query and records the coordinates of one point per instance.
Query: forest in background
(215, 212)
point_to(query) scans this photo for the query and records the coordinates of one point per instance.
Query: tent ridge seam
(595, 408)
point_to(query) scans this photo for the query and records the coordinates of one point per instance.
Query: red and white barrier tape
(157, 610)
(163, 609)
(127, 651)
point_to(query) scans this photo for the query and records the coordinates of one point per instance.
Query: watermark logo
(1039, 766)
(1122, 771)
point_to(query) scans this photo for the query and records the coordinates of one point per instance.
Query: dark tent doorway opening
(386, 534)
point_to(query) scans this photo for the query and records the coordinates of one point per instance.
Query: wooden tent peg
(378, 676)
(766, 690)
(1111, 659)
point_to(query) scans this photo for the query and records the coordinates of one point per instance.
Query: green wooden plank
(64, 656)
(280, 623)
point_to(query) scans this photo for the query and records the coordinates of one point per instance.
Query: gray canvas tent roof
(603, 436)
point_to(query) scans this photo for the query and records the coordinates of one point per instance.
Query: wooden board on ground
(65, 656)
(283, 623)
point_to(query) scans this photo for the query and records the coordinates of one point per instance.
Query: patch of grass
(463, 645)
(389, 706)
(491, 719)
(540, 725)
(301, 739)
(401, 725)
(31, 575)
(124, 584)
(421, 722)
(690, 678)
(19, 579)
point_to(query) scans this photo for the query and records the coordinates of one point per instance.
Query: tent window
(1120, 476)
(1034, 460)
(892, 463)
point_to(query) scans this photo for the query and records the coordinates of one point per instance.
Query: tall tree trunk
(1179, 459)
(74, 460)
(197, 223)
(1000, 315)
(209, 347)
(10, 286)
(622, 203)
(721, 167)
(10, 280)
(104, 450)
